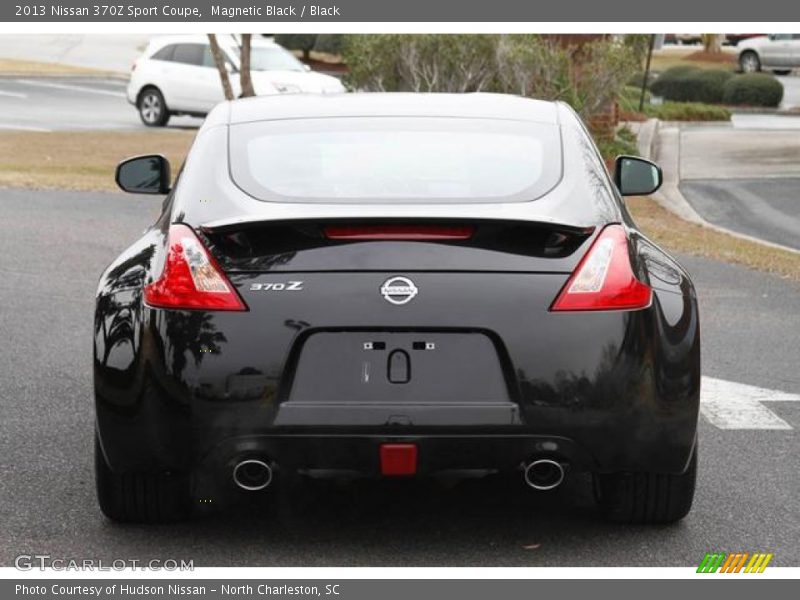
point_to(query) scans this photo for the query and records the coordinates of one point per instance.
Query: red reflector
(399, 232)
(398, 459)
(604, 279)
(191, 277)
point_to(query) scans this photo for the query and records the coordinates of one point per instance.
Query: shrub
(687, 111)
(329, 43)
(588, 76)
(753, 89)
(297, 41)
(420, 63)
(630, 96)
(689, 84)
(624, 142)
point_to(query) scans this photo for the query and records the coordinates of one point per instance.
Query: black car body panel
(476, 370)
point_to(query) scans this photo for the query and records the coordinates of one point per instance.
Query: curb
(662, 144)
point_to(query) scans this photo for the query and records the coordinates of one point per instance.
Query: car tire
(782, 71)
(647, 498)
(140, 497)
(749, 62)
(153, 109)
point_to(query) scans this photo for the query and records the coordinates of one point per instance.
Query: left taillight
(191, 278)
(604, 279)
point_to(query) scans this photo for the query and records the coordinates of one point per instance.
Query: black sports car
(394, 285)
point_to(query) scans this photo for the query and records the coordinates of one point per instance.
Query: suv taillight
(604, 279)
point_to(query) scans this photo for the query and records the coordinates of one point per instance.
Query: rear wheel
(153, 110)
(647, 498)
(140, 497)
(749, 62)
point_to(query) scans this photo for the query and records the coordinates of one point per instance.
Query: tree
(329, 43)
(298, 41)
(589, 76)
(219, 61)
(244, 71)
(712, 42)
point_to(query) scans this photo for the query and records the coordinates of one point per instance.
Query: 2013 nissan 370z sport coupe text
(394, 285)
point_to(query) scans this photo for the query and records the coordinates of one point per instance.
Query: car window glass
(396, 160)
(165, 53)
(781, 36)
(208, 58)
(190, 54)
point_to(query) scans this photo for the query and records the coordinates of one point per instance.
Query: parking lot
(746, 498)
(747, 490)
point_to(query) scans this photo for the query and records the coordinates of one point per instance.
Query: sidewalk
(695, 152)
(104, 52)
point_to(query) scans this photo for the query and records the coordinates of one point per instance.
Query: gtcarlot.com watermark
(29, 562)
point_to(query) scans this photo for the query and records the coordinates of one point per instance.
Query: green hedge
(690, 84)
(687, 111)
(753, 89)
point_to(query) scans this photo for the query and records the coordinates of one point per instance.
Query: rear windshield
(395, 160)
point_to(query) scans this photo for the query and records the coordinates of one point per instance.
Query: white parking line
(74, 88)
(729, 405)
(13, 94)
(23, 127)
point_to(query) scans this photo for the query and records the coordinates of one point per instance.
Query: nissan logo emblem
(398, 290)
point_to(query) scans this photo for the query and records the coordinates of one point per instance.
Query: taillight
(191, 277)
(604, 279)
(399, 232)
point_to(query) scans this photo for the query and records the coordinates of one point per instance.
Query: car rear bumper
(618, 392)
(360, 455)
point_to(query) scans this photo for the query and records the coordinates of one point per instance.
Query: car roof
(383, 104)
(198, 38)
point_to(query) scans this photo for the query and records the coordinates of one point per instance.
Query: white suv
(176, 75)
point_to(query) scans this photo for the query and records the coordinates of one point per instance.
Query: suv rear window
(165, 53)
(395, 160)
(190, 54)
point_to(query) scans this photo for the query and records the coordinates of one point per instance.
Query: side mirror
(636, 176)
(149, 174)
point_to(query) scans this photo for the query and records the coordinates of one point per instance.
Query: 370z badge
(289, 286)
(399, 290)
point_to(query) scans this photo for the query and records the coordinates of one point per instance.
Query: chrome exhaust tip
(544, 474)
(252, 475)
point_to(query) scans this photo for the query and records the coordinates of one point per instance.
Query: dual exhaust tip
(252, 475)
(544, 474)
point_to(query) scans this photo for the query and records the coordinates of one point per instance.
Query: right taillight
(604, 279)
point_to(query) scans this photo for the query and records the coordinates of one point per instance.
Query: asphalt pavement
(747, 497)
(766, 208)
(745, 176)
(70, 103)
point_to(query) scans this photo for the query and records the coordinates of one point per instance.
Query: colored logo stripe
(734, 562)
(758, 563)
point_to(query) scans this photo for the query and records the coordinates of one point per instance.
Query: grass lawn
(81, 160)
(694, 56)
(27, 68)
